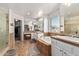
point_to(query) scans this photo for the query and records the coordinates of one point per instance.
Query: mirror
(34, 25)
(38, 25)
(71, 17)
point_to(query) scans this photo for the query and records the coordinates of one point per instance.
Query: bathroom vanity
(65, 46)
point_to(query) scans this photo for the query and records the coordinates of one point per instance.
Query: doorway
(18, 28)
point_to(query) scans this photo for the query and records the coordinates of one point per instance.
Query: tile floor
(25, 48)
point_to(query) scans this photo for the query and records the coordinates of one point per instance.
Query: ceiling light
(16, 20)
(40, 13)
(28, 13)
(67, 2)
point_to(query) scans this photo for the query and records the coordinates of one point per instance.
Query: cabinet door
(53, 50)
(53, 46)
(64, 46)
(54, 42)
(76, 50)
(67, 47)
(59, 44)
(58, 52)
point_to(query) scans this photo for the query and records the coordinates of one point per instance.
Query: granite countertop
(67, 39)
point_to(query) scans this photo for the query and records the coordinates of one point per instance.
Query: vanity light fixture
(40, 19)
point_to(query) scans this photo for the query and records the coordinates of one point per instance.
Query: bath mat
(11, 52)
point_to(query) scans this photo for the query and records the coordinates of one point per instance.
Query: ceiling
(71, 11)
(30, 9)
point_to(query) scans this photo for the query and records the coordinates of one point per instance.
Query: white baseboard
(6, 49)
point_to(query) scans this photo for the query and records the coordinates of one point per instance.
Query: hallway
(25, 48)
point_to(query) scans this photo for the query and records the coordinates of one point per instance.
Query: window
(55, 24)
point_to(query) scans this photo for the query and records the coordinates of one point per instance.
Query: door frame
(14, 29)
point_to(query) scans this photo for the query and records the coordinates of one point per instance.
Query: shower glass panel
(3, 31)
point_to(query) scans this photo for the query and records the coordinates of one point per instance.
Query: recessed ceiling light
(28, 13)
(16, 20)
(40, 13)
(67, 2)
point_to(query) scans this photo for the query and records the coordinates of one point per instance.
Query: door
(18, 24)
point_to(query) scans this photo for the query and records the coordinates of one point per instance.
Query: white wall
(45, 24)
(13, 16)
(62, 23)
(72, 20)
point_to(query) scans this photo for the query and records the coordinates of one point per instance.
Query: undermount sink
(72, 38)
(77, 39)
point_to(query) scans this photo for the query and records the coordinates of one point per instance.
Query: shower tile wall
(3, 31)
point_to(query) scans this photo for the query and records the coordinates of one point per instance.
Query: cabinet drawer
(68, 48)
(65, 46)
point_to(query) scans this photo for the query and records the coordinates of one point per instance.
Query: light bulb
(67, 2)
(40, 13)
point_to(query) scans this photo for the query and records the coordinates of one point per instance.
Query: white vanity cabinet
(68, 48)
(66, 54)
(76, 50)
(60, 48)
(56, 50)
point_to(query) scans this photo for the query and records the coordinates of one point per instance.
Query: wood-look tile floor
(26, 48)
